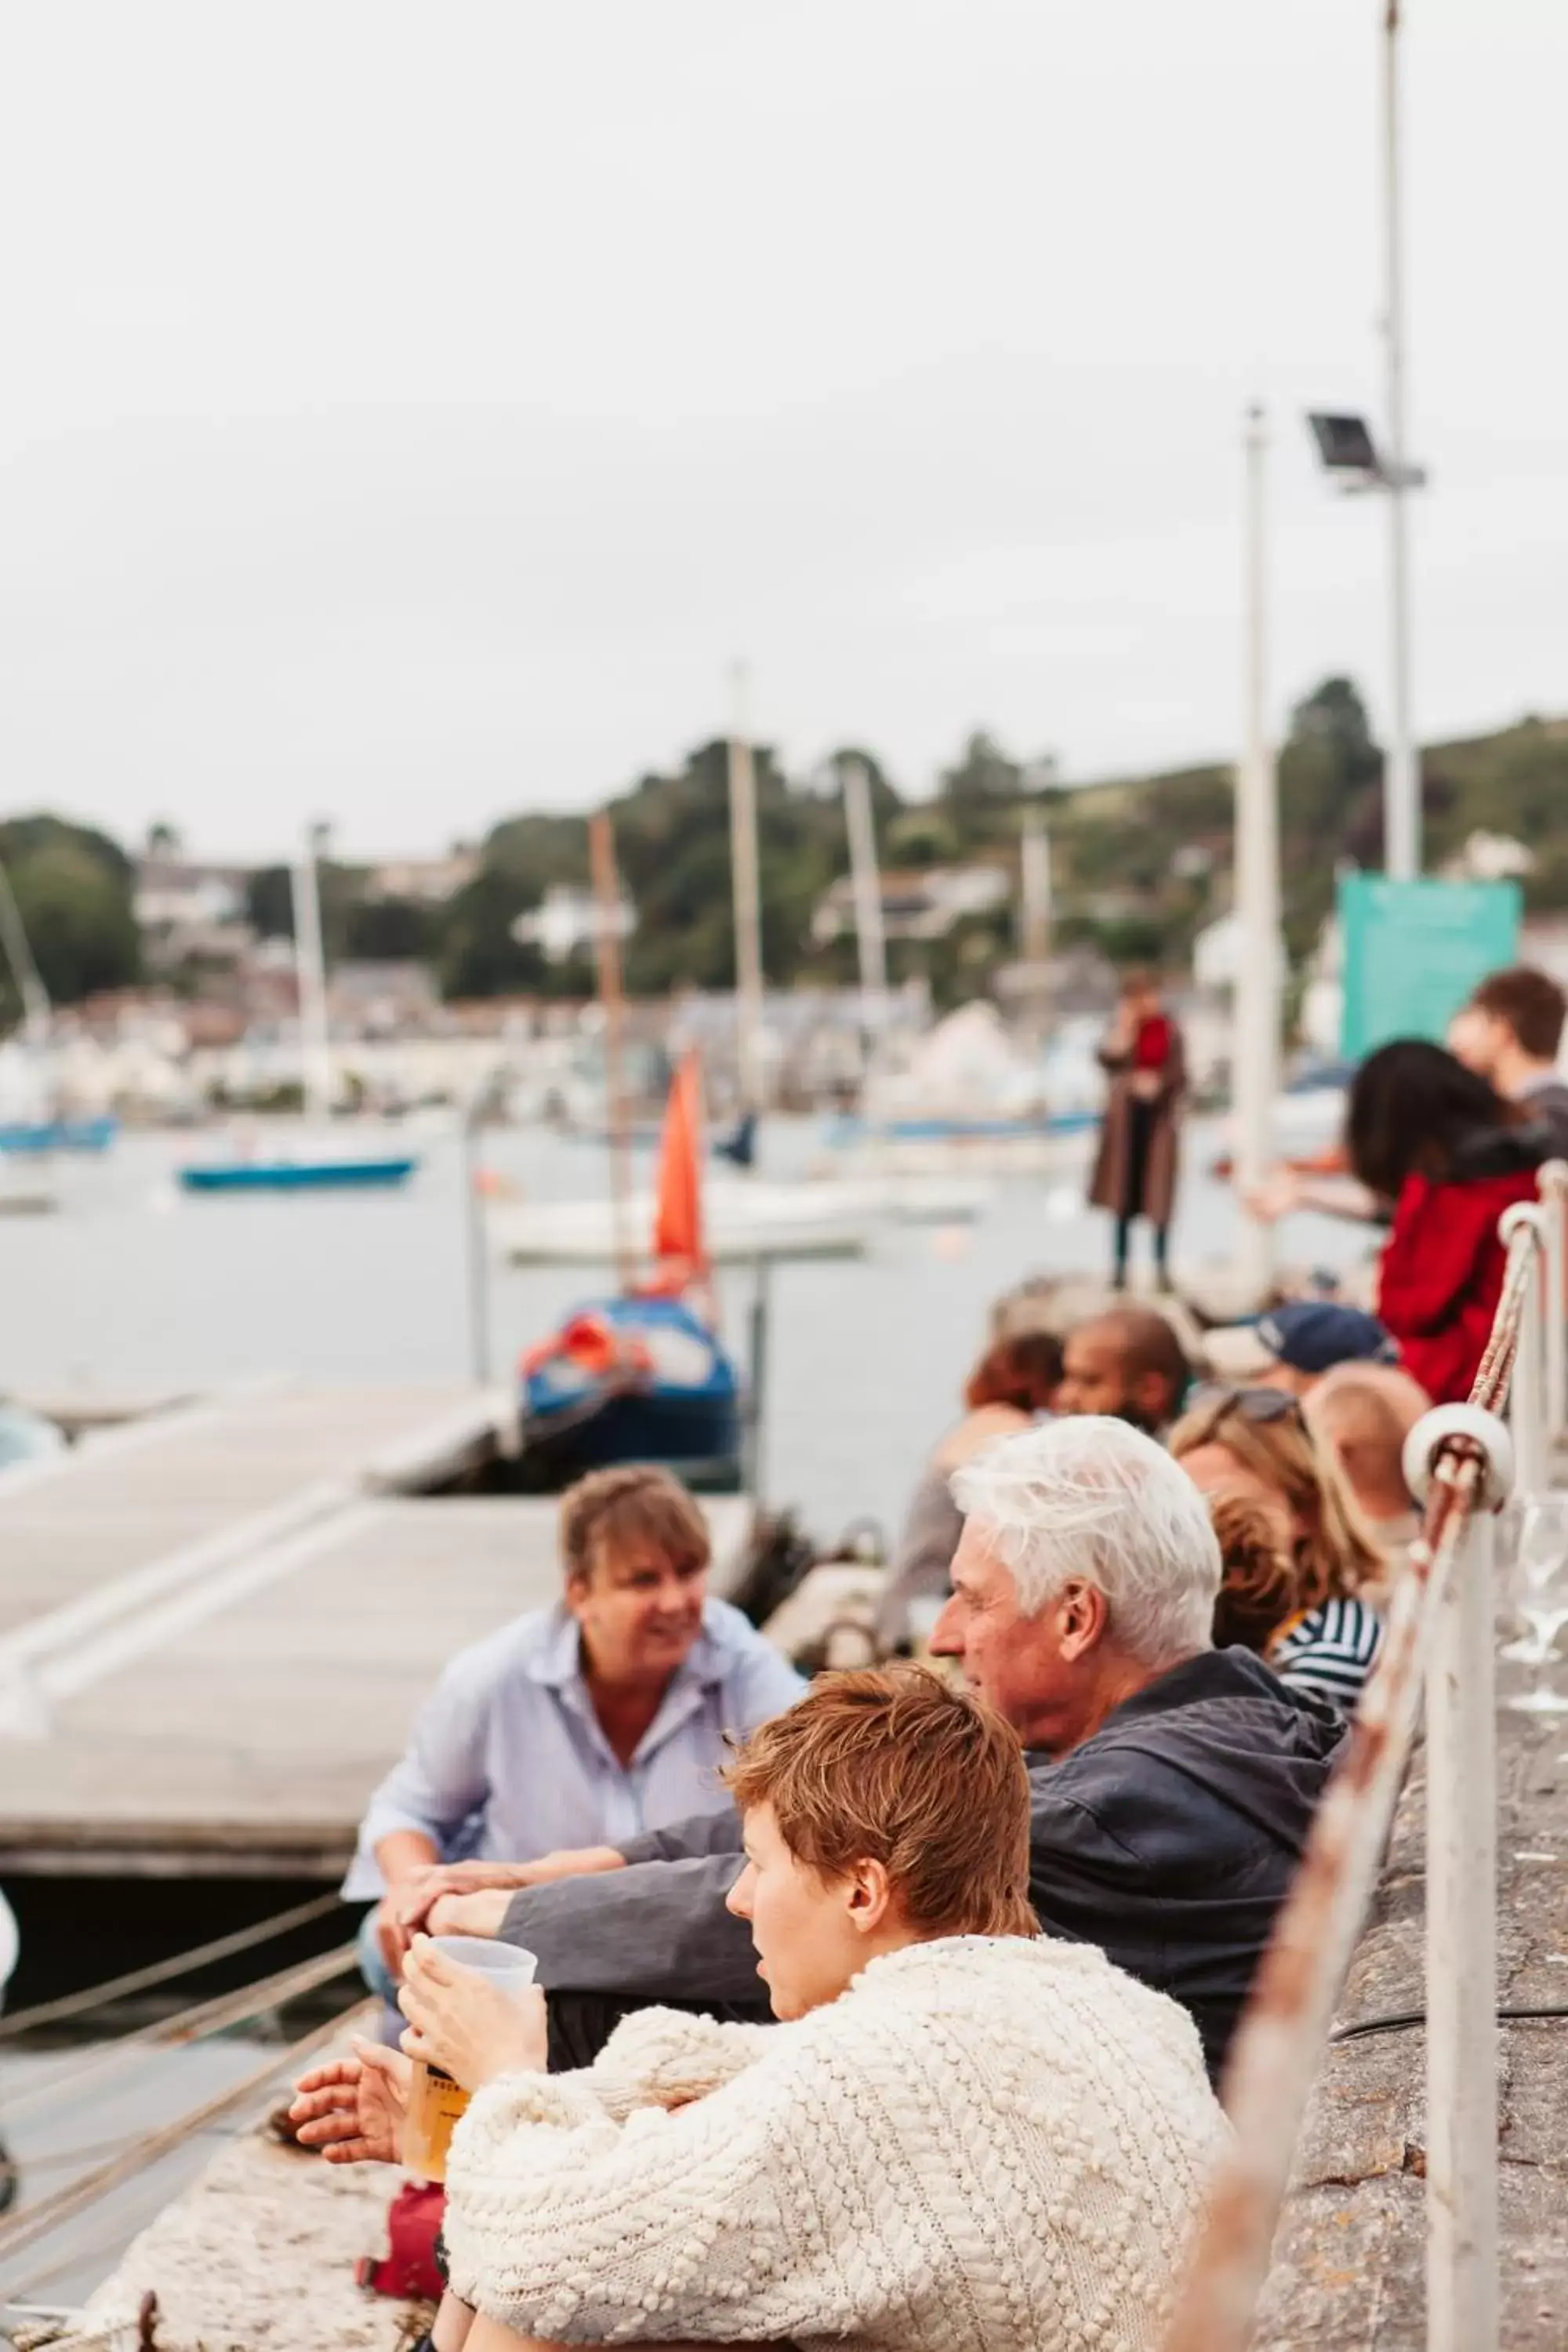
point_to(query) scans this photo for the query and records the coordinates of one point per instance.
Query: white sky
(407, 412)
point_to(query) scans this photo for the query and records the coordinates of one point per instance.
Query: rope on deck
(221, 1948)
(192, 2024)
(1284, 2029)
(19, 2229)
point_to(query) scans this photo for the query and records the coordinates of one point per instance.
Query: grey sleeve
(700, 1835)
(658, 1931)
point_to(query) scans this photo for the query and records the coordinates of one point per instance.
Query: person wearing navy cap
(1293, 1346)
(1308, 1337)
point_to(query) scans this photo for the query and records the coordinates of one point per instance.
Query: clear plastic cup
(436, 2102)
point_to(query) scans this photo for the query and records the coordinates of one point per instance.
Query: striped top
(1329, 1652)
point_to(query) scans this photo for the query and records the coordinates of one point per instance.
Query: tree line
(1139, 865)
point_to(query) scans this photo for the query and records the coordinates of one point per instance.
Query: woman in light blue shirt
(575, 1727)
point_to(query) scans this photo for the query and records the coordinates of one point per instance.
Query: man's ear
(870, 1897)
(1082, 1617)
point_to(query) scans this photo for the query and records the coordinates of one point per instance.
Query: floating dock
(215, 1624)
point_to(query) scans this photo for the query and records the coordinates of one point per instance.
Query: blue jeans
(379, 1978)
(372, 1965)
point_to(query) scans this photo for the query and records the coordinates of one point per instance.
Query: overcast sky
(407, 412)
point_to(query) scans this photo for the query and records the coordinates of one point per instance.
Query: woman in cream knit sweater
(963, 2138)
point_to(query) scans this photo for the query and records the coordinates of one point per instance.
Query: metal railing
(1460, 1462)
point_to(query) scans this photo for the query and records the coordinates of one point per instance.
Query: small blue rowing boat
(631, 1380)
(294, 1175)
(58, 1134)
(851, 1128)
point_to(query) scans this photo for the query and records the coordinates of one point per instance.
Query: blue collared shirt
(508, 1760)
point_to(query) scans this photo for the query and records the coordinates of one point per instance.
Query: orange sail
(679, 1247)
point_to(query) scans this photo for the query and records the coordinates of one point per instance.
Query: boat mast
(24, 971)
(1035, 891)
(868, 934)
(745, 876)
(607, 955)
(310, 973)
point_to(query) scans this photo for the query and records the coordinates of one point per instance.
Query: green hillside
(1140, 864)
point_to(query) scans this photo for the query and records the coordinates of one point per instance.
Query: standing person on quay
(1445, 1147)
(1135, 1168)
(600, 1719)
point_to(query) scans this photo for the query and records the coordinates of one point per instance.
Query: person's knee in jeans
(373, 1968)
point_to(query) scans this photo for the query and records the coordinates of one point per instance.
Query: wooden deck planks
(240, 1725)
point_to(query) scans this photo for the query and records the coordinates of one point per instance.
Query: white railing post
(1553, 1184)
(1462, 1957)
(1527, 1400)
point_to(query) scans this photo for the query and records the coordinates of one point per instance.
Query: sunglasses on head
(1259, 1405)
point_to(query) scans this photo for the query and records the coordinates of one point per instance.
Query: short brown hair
(1024, 1370)
(1528, 1002)
(895, 1765)
(612, 1511)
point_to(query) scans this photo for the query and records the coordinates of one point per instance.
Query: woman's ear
(870, 1897)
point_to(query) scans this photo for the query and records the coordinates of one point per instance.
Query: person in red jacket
(1451, 1154)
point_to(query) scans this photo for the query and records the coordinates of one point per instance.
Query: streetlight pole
(1255, 994)
(1402, 791)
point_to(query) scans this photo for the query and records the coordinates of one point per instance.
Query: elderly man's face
(1032, 1670)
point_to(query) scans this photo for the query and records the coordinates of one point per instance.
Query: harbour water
(133, 1286)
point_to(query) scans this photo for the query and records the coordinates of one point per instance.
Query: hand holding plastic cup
(436, 2102)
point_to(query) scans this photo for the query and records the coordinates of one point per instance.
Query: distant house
(1220, 953)
(189, 913)
(383, 999)
(567, 919)
(1490, 857)
(425, 881)
(922, 903)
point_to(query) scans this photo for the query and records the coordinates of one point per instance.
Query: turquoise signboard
(1414, 950)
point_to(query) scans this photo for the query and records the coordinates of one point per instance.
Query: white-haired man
(1172, 1783)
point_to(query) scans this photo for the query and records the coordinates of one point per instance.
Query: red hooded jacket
(1442, 1268)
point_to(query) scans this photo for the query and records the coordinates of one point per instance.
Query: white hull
(743, 1221)
(964, 1166)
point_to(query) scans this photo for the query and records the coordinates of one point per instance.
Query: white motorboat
(744, 1221)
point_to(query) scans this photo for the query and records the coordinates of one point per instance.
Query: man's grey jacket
(1169, 1839)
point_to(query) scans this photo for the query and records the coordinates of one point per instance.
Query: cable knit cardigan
(985, 2145)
